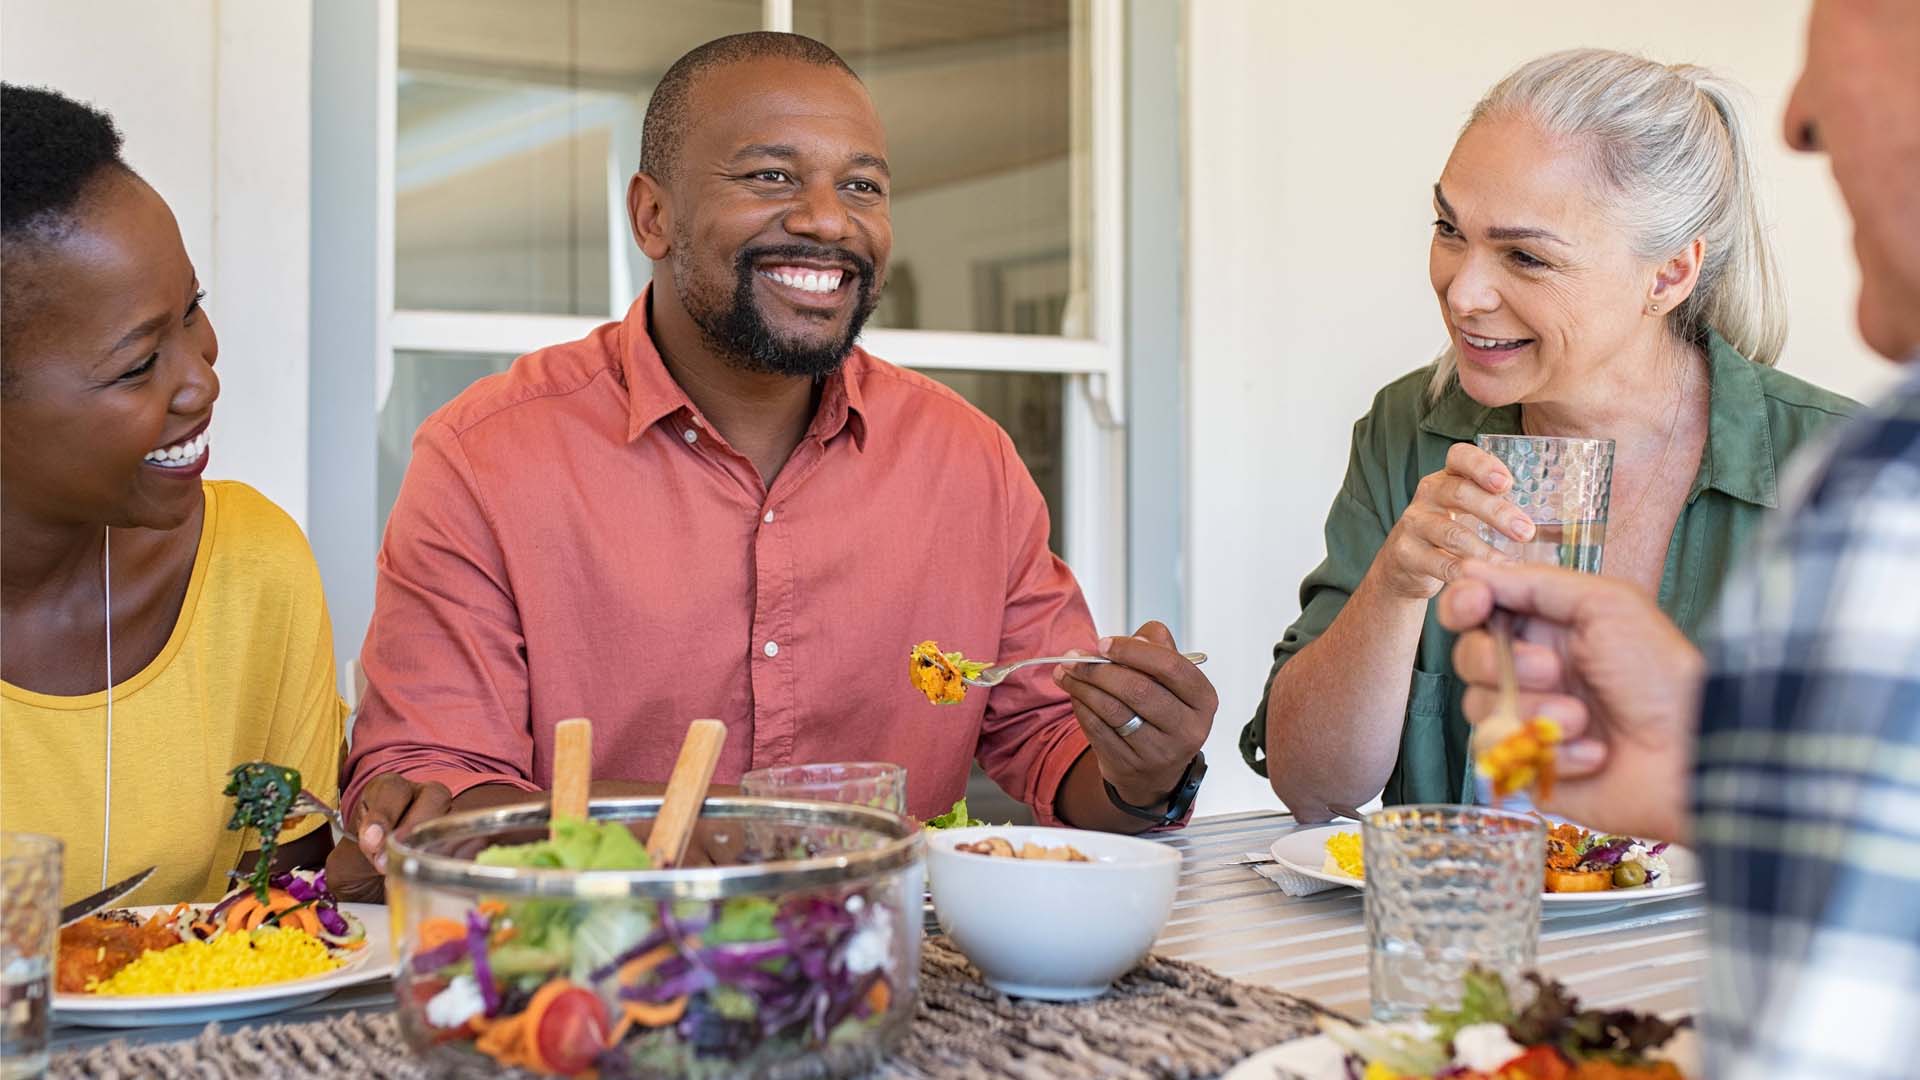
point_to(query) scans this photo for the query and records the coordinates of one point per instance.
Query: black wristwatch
(1178, 803)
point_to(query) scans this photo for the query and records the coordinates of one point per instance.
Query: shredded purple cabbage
(220, 908)
(477, 927)
(440, 956)
(1609, 853)
(1658, 848)
(331, 919)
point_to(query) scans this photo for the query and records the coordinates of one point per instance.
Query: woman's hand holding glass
(1438, 530)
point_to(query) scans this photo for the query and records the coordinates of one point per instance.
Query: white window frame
(1094, 445)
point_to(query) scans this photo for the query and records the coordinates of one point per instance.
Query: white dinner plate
(1305, 852)
(1311, 1057)
(146, 1010)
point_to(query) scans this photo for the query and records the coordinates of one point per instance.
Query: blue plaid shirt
(1807, 792)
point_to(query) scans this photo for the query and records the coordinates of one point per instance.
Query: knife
(80, 909)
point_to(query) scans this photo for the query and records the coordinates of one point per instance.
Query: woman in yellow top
(155, 629)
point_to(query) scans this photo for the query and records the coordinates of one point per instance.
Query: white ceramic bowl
(1059, 931)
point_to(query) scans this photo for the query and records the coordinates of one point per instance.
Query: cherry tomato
(572, 1031)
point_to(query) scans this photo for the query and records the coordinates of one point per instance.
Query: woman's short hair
(1674, 160)
(53, 148)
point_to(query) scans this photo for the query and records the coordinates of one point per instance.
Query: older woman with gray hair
(1603, 271)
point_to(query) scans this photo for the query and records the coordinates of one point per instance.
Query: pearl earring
(1653, 309)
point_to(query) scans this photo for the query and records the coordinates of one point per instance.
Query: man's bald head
(669, 112)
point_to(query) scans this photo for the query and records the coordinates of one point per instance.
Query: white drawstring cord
(106, 816)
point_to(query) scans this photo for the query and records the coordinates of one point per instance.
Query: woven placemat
(1165, 1020)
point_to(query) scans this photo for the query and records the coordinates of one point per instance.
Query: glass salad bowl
(795, 952)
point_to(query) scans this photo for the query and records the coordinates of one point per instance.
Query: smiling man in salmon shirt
(720, 506)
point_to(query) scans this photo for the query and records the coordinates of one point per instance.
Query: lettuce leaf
(575, 845)
(746, 918)
(1483, 1000)
(956, 818)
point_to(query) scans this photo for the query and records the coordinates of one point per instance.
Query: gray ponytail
(1676, 159)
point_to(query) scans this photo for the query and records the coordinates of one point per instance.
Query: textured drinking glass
(1563, 485)
(879, 784)
(29, 918)
(1448, 888)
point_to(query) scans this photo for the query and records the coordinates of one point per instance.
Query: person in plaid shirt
(1788, 752)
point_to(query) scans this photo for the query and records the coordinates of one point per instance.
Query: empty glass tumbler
(1448, 888)
(879, 784)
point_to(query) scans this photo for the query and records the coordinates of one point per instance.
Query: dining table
(1229, 919)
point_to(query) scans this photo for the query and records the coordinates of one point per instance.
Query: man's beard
(734, 328)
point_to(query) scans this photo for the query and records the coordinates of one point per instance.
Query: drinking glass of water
(29, 918)
(1563, 486)
(1448, 888)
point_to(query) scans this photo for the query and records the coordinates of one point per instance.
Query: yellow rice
(232, 960)
(1344, 853)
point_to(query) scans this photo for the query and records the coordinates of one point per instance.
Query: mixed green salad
(1489, 1036)
(640, 988)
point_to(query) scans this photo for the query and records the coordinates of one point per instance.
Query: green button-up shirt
(1757, 417)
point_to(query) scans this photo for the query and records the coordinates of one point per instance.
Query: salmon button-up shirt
(573, 538)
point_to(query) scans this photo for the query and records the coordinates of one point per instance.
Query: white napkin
(1290, 882)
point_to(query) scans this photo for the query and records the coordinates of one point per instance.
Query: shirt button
(767, 517)
(691, 435)
(772, 649)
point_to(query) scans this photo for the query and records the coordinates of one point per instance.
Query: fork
(309, 803)
(1504, 720)
(994, 676)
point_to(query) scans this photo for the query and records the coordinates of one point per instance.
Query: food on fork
(1522, 760)
(263, 795)
(941, 676)
(1001, 848)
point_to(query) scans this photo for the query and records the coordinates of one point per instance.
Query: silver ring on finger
(1130, 727)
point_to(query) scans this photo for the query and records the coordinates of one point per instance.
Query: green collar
(1739, 457)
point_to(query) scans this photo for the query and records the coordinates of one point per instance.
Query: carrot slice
(645, 1015)
(305, 919)
(635, 969)
(879, 997)
(437, 931)
(503, 1038)
(491, 908)
(277, 902)
(237, 914)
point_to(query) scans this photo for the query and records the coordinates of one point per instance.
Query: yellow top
(246, 675)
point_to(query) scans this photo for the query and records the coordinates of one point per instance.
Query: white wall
(213, 98)
(1314, 133)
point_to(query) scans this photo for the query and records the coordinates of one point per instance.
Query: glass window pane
(985, 103)
(1031, 406)
(422, 382)
(518, 125)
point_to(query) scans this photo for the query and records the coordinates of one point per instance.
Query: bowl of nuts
(1056, 914)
